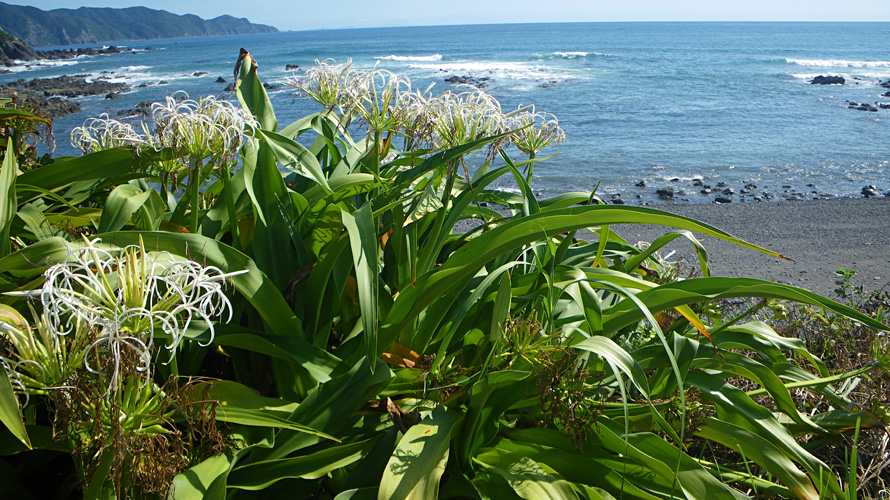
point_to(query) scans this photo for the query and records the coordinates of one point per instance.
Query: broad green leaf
(362, 231)
(417, 464)
(252, 95)
(735, 406)
(527, 478)
(663, 459)
(260, 475)
(111, 166)
(698, 290)
(10, 412)
(8, 201)
(124, 201)
(427, 202)
(207, 480)
(464, 263)
(761, 452)
(239, 404)
(294, 157)
(36, 222)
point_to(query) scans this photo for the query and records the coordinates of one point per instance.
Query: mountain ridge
(104, 24)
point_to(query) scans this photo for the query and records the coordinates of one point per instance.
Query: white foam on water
(434, 57)
(868, 78)
(571, 55)
(837, 63)
(41, 63)
(497, 70)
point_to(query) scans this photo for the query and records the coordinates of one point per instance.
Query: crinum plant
(207, 130)
(105, 316)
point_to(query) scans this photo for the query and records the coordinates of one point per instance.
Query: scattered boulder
(886, 85)
(722, 199)
(729, 191)
(698, 183)
(230, 87)
(292, 67)
(149, 48)
(199, 73)
(828, 80)
(665, 193)
(113, 95)
(869, 191)
(141, 109)
(863, 106)
(269, 86)
(54, 107)
(220, 80)
(68, 86)
(640, 184)
(163, 82)
(479, 83)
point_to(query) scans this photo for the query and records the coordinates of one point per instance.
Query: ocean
(727, 104)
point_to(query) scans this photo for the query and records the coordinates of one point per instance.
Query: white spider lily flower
(208, 127)
(535, 131)
(334, 86)
(385, 106)
(462, 118)
(125, 298)
(99, 134)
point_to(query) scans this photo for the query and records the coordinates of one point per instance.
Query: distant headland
(92, 25)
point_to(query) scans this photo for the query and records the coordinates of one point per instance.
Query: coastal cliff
(92, 25)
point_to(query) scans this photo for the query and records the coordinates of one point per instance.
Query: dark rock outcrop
(828, 80)
(220, 80)
(141, 109)
(68, 86)
(292, 67)
(479, 83)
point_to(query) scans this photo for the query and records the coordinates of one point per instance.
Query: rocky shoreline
(697, 191)
(51, 95)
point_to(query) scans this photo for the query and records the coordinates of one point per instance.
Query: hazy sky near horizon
(334, 14)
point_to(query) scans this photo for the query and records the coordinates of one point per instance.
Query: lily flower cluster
(208, 127)
(386, 102)
(111, 304)
(99, 134)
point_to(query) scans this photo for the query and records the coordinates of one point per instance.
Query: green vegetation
(89, 25)
(353, 319)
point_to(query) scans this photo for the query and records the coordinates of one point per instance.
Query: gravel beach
(820, 236)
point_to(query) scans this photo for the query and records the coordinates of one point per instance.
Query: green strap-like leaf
(527, 478)
(763, 453)
(260, 475)
(10, 413)
(8, 201)
(294, 157)
(122, 203)
(363, 240)
(417, 464)
(205, 481)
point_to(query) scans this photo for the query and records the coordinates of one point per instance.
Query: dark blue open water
(724, 102)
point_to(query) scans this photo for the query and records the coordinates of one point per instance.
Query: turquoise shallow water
(724, 102)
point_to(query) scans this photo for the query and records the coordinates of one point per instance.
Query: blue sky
(306, 15)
